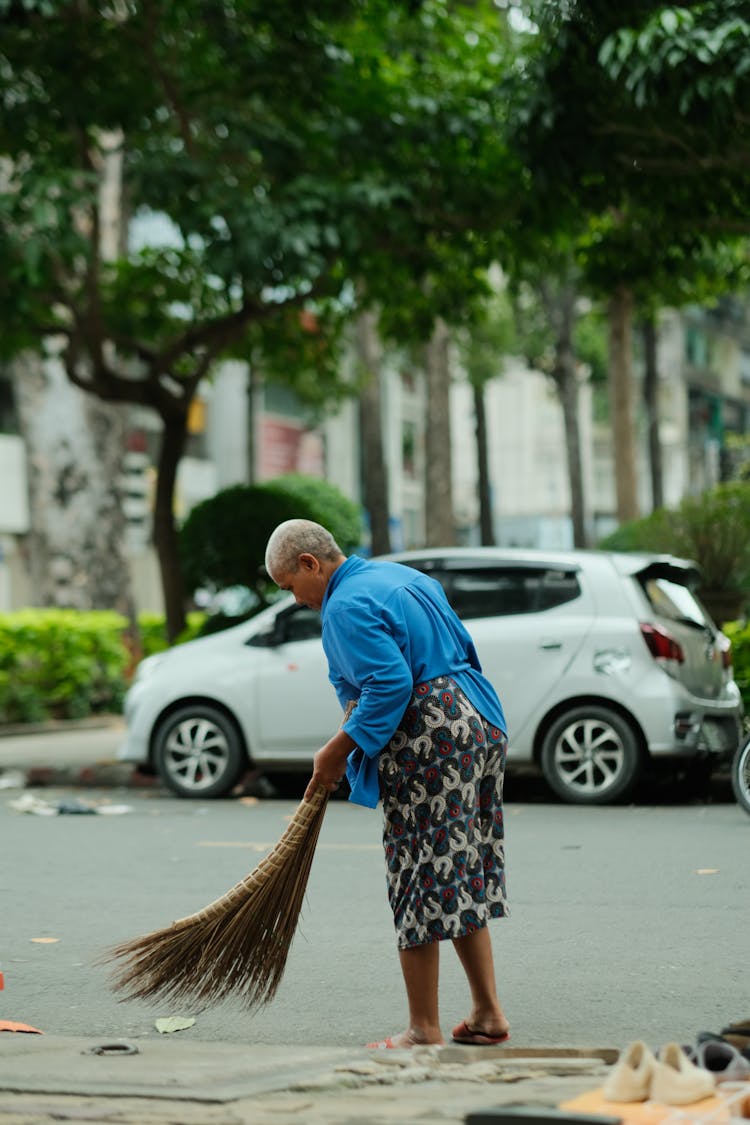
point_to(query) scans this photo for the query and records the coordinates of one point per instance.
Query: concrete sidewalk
(79, 754)
(45, 1079)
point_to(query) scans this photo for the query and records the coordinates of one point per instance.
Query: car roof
(625, 562)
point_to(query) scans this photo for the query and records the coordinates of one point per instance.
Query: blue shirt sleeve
(364, 652)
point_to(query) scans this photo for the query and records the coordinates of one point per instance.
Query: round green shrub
(223, 540)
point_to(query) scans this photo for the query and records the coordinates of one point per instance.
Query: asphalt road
(627, 922)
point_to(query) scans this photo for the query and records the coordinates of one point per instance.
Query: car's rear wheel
(741, 775)
(591, 756)
(198, 751)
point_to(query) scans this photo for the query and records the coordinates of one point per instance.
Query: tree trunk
(254, 412)
(374, 470)
(621, 402)
(560, 304)
(651, 401)
(75, 445)
(486, 529)
(567, 389)
(567, 386)
(166, 539)
(440, 523)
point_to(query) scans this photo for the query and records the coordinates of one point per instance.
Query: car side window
(300, 624)
(502, 591)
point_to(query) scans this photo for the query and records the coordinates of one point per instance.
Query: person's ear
(309, 562)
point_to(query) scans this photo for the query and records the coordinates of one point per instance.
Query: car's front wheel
(591, 756)
(198, 751)
(741, 775)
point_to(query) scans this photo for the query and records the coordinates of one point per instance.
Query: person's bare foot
(412, 1037)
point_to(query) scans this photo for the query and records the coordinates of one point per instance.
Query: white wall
(14, 502)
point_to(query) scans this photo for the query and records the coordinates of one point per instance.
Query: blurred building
(242, 429)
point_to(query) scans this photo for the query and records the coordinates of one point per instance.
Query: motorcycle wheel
(741, 775)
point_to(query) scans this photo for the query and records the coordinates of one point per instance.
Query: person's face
(307, 583)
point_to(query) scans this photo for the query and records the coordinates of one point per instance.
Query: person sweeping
(428, 740)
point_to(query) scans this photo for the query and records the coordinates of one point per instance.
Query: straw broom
(238, 945)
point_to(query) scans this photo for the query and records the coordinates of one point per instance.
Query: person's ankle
(423, 1035)
(490, 1020)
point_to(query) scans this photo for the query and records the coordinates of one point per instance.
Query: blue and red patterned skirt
(441, 785)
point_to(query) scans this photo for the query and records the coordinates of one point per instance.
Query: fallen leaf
(169, 1024)
(45, 940)
(8, 1025)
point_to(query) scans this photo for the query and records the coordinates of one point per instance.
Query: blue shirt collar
(352, 563)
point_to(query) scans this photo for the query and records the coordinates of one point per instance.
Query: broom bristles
(239, 944)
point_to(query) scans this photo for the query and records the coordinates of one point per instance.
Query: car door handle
(549, 645)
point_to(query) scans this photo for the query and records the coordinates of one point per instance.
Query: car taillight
(661, 645)
(724, 646)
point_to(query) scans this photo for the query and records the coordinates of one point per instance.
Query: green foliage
(712, 529)
(628, 118)
(697, 57)
(223, 540)
(325, 504)
(739, 634)
(490, 337)
(275, 155)
(60, 664)
(152, 628)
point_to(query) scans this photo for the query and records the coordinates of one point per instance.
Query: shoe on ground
(678, 1081)
(723, 1060)
(739, 1043)
(631, 1076)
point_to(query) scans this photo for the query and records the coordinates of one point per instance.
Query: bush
(739, 634)
(223, 540)
(325, 504)
(153, 631)
(60, 664)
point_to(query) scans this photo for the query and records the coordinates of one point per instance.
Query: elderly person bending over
(428, 739)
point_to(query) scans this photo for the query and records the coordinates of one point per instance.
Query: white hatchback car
(602, 661)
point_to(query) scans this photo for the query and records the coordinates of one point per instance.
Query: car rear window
(674, 600)
(501, 591)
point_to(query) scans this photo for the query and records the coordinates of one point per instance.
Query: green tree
(581, 134)
(276, 154)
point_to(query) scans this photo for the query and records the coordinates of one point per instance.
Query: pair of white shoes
(670, 1077)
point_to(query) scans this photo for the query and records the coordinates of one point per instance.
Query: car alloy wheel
(741, 775)
(591, 756)
(198, 752)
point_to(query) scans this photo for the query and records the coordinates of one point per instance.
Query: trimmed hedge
(223, 540)
(65, 664)
(60, 664)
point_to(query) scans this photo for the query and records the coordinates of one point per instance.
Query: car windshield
(676, 601)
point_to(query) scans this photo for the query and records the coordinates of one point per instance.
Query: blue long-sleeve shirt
(386, 628)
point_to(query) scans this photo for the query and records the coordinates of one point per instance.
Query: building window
(8, 414)
(409, 450)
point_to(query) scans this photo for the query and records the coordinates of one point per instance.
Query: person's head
(301, 556)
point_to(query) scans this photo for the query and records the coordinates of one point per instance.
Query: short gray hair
(293, 538)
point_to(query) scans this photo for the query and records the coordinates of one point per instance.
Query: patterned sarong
(441, 784)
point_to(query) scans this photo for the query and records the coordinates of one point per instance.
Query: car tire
(591, 756)
(741, 775)
(198, 751)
